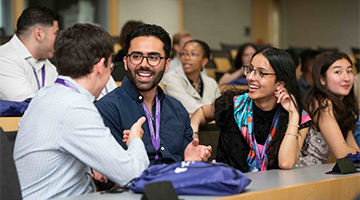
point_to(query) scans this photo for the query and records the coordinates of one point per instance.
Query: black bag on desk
(195, 178)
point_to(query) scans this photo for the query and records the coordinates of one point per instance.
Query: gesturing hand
(98, 177)
(196, 152)
(135, 132)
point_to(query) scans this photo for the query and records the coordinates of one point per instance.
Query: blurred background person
(236, 74)
(306, 81)
(178, 41)
(297, 61)
(187, 84)
(129, 25)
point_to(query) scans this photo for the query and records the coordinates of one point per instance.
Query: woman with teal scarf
(264, 127)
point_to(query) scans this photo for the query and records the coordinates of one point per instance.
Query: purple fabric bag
(195, 178)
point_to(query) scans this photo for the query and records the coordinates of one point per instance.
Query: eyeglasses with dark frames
(249, 69)
(153, 59)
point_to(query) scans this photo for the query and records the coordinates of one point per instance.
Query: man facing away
(62, 134)
(168, 133)
(24, 64)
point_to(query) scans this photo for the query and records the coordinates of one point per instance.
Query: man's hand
(196, 152)
(135, 132)
(98, 177)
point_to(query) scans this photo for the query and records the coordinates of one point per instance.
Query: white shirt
(177, 85)
(17, 79)
(61, 136)
(110, 86)
(174, 63)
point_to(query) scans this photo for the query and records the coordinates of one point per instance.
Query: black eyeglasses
(152, 59)
(249, 69)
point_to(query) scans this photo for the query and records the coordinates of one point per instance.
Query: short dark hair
(35, 15)
(150, 30)
(204, 46)
(307, 57)
(295, 57)
(80, 47)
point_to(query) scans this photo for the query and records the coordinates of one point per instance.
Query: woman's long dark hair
(317, 99)
(284, 68)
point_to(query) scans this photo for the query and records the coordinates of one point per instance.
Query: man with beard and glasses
(167, 131)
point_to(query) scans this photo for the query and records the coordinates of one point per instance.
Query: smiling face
(339, 78)
(262, 89)
(192, 58)
(143, 76)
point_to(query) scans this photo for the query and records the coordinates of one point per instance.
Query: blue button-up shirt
(122, 107)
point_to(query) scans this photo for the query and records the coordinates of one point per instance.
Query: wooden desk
(300, 183)
(9, 123)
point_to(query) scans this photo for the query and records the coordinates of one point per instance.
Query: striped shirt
(60, 136)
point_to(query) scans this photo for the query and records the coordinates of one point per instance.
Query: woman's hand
(286, 100)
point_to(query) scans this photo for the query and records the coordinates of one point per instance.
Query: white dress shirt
(61, 136)
(17, 78)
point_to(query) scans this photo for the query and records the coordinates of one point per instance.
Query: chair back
(119, 72)
(9, 123)
(9, 184)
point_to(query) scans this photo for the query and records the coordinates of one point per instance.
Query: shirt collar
(20, 47)
(134, 94)
(82, 90)
(25, 53)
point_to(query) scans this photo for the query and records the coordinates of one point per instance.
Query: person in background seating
(243, 57)
(297, 61)
(306, 81)
(178, 41)
(187, 84)
(124, 32)
(24, 64)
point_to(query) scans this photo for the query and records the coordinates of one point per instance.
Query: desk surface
(273, 182)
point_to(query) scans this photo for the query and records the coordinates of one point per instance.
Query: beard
(145, 86)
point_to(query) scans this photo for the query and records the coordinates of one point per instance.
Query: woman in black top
(267, 117)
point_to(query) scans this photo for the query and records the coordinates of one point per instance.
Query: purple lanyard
(67, 84)
(42, 75)
(260, 157)
(155, 137)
